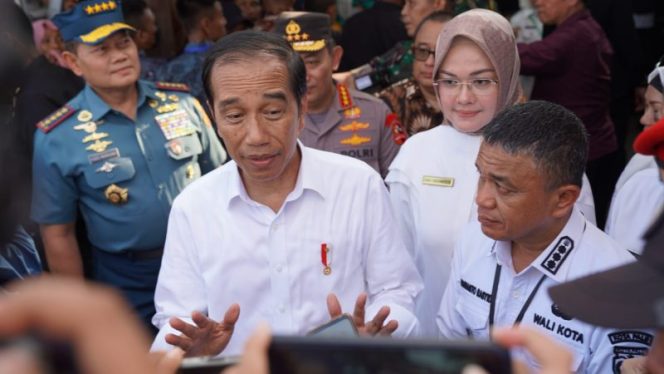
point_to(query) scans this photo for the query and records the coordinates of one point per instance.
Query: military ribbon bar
(325, 258)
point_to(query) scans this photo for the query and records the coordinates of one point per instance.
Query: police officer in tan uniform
(338, 119)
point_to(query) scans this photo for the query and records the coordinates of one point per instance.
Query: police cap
(305, 31)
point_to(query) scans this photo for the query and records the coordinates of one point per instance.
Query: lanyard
(494, 294)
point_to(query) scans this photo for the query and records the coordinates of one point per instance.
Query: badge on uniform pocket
(175, 124)
(116, 194)
(184, 147)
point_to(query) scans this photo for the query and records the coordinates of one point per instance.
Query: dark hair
(553, 136)
(133, 10)
(190, 11)
(437, 16)
(245, 45)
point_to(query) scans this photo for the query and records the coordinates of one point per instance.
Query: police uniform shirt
(432, 184)
(223, 248)
(355, 125)
(123, 174)
(634, 208)
(476, 283)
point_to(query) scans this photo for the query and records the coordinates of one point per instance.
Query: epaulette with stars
(345, 100)
(168, 86)
(55, 118)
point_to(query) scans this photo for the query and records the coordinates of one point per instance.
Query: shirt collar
(307, 180)
(555, 260)
(99, 108)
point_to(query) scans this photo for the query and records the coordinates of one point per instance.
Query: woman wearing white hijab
(433, 179)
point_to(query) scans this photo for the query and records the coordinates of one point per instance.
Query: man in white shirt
(285, 233)
(530, 236)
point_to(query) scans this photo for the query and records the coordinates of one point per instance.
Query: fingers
(187, 329)
(231, 317)
(389, 328)
(376, 324)
(358, 312)
(553, 357)
(179, 341)
(333, 306)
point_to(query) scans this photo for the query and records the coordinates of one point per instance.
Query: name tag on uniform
(175, 124)
(438, 181)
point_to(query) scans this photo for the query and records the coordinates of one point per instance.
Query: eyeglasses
(422, 53)
(479, 86)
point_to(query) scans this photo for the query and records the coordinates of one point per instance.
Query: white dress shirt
(634, 208)
(580, 249)
(637, 163)
(433, 181)
(224, 248)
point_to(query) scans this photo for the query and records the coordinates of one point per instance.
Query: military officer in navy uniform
(121, 151)
(339, 120)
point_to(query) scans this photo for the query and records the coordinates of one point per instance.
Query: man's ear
(213, 116)
(337, 52)
(440, 4)
(72, 62)
(565, 198)
(304, 107)
(204, 25)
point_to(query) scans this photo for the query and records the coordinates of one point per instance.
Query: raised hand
(207, 337)
(376, 326)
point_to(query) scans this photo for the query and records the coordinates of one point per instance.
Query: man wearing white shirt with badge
(530, 236)
(278, 230)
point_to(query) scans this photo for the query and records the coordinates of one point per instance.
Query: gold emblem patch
(354, 126)
(94, 137)
(116, 194)
(99, 146)
(356, 140)
(88, 127)
(84, 116)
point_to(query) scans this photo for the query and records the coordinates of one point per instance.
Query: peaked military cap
(305, 31)
(91, 21)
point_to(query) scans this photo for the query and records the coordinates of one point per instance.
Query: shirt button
(279, 268)
(516, 294)
(282, 309)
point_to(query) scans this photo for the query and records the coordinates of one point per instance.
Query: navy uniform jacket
(123, 174)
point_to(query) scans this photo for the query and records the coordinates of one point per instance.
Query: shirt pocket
(184, 147)
(475, 314)
(116, 170)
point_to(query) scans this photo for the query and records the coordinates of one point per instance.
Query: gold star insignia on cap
(89, 10)
(293, 28)
(112, 5)
(305, 36)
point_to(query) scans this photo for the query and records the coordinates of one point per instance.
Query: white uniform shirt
(433, 181)
(223, 248)
(580, 249)
(634, 208)
(637, 163)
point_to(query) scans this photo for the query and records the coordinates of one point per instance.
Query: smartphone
(207, 365)
(340, 326)
(315, 354)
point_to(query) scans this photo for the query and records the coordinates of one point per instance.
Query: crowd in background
(388, 72)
